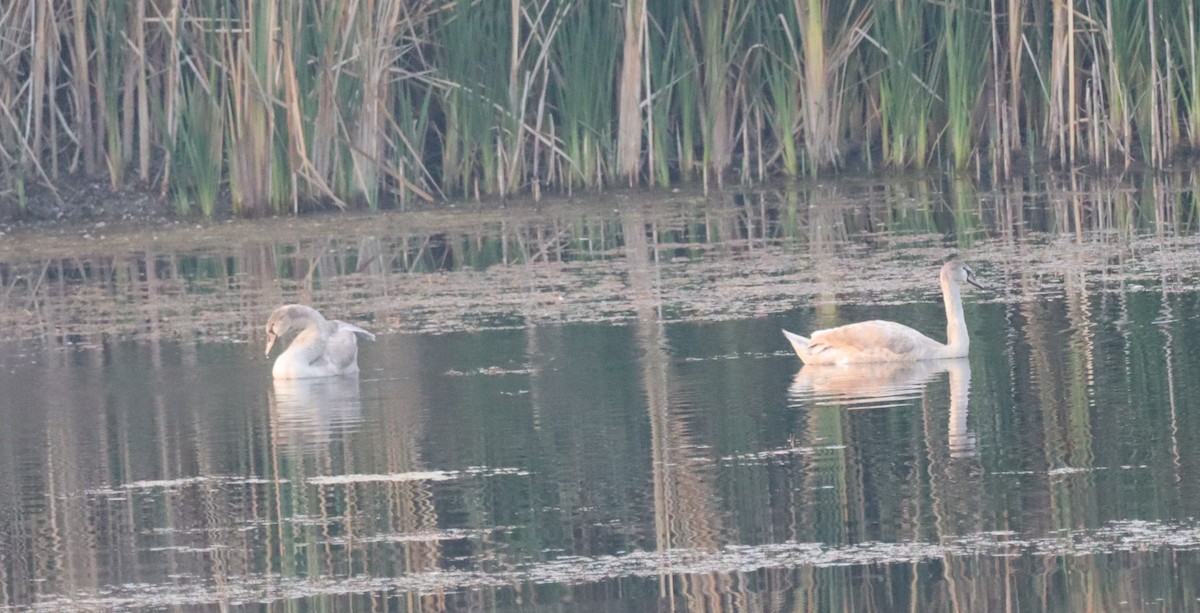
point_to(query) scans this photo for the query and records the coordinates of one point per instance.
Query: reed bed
(252, 108)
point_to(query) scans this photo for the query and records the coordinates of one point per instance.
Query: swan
(323, 348)
(887, 341)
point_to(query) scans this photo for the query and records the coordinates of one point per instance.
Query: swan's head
(958, 272)
(288, 318)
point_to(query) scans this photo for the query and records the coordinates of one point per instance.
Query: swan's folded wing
(342, 351)
(341, 325)
(872, 336)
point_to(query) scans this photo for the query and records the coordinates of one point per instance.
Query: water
(586, 410)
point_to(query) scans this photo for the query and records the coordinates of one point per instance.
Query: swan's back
(869, 341)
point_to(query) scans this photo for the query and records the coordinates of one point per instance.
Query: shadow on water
(592, 408)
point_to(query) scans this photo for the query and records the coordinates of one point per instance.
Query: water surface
(591, 408)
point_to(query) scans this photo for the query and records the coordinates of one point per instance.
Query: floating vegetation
(422, 536)
(1114, 537)
(427, 475)
(491, 371)
(778, 454)
(748, 255)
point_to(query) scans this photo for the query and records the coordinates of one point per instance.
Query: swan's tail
(799, 343)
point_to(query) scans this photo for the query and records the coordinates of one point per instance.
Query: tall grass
(582, 92)
(783, 83)
(966, 29)
(256, 108)
(714, 39)
(905, 99)
(1185, 35)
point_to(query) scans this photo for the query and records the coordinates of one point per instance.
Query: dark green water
(649, 461)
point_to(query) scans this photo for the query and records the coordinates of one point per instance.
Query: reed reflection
(686, 511)
(688, 484)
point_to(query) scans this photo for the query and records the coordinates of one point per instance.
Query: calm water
(596, 412)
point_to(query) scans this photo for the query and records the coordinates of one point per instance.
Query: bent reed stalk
(260, 108)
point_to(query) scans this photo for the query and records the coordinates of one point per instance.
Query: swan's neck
(957, 343)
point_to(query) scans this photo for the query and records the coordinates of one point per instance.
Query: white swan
(324, 347)
(887, 341)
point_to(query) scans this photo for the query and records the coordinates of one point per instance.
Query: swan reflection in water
(890, 384)
(308, 413)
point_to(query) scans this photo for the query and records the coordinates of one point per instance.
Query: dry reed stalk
(298, 157)
(142, 82)
(827, 48)
(81, 87)
(1061, 120)
(1158, 99)
(380, 25)
(107, 94)
(18, 156)
(171, 89)
(1000, 127)
(41, 49)
(14, 41)
(249, 56)
(629, 92)
(1191, 85)
(818, 139)
(1015, 42)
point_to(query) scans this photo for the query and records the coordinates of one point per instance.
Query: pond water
(589, 407)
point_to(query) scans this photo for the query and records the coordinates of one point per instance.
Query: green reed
(678, 76)
(1123, 80)
(965, 32)
(113, 96)
(259, 108)
(781, 70)
(582, 91)
(715, 42)
(905, 65)
(473, 58)
(200, 151)
(1184, 36)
